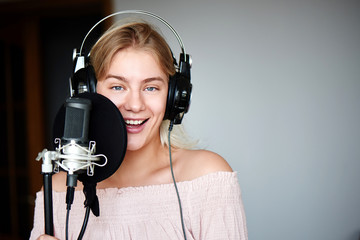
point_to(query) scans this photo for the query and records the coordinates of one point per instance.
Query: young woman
(133, 64)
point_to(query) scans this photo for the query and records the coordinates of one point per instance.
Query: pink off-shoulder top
(212, 209)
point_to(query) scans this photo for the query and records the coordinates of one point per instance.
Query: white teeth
(134, 122)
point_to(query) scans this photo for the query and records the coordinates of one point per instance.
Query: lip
(134, 129)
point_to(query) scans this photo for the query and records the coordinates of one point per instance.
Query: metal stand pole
(48, 206)
(47, 171)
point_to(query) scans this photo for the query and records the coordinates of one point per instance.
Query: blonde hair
(139, 35)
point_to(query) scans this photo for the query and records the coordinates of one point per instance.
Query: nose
(134, 102)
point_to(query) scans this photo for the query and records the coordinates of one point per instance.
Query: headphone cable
(86, 219)
(173, 178)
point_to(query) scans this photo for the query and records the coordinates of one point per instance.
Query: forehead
(135, 62)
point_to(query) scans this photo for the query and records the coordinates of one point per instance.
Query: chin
(131, 147)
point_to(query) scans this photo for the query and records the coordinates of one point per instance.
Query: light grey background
(277, 93)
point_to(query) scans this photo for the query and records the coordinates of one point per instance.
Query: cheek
(161, 101)
(100, 89)
(158, 105)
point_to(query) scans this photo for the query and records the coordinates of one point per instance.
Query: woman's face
(138, 87)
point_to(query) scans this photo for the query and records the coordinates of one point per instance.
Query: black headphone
(179, 93)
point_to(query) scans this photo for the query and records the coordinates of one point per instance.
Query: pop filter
(107, 128)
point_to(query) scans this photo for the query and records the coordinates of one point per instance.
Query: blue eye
(151, 89)
(117, 88)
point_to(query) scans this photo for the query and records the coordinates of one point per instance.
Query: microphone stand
(48, 206)
(86, 160)
(47, 171)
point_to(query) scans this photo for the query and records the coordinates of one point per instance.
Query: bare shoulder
(196, 163)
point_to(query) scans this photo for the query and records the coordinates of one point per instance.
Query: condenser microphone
(77, 117)
(94, 130)
(75, 142)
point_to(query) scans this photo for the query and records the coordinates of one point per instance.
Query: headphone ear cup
(91, 78)
(170, 98)
(84, 80)
(179, 97)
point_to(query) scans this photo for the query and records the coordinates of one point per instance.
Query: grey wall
(277, 93)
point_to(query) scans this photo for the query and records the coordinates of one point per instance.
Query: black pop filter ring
(107, 128)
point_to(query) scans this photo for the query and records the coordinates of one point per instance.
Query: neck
(150, 155)
(139, 167)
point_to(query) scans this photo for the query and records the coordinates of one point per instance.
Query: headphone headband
(142, 13)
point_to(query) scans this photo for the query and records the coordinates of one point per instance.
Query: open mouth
(135, 123)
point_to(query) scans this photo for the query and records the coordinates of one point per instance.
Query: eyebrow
(147, 80)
